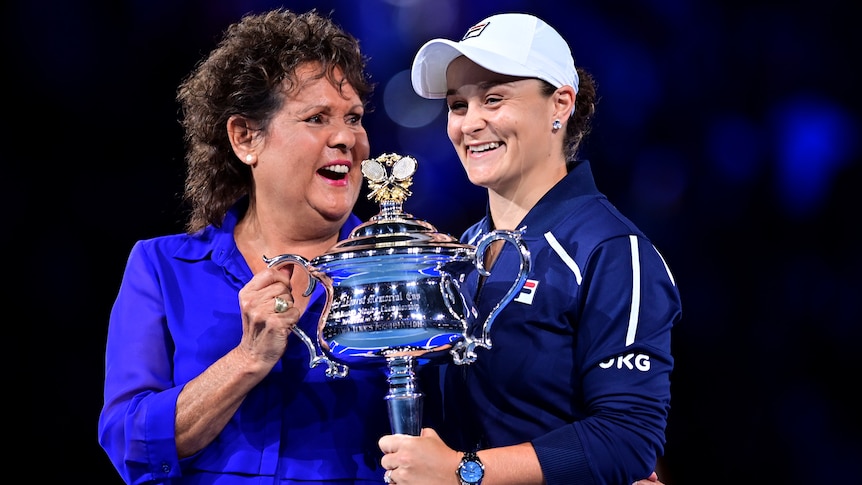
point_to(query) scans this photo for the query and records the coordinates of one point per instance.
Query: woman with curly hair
(205, 382)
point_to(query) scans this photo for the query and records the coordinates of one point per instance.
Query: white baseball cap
(514, 44)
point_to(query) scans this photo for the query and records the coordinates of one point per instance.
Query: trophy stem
(390, 209)
(404, 399)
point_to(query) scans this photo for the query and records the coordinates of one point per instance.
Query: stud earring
(557, 125)
(249, 158)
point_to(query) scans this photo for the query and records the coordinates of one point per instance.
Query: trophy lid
(389, 177)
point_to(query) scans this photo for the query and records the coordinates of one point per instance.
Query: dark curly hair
(248, 74)
(580, 123)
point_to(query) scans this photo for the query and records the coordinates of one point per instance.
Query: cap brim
(428, 73)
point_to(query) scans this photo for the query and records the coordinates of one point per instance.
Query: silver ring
(387, 477)
(281, 305)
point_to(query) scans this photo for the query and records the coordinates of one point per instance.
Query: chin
(337, 210)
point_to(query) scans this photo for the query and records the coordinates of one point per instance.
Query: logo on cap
(475, 30)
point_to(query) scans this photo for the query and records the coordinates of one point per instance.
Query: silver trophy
(393, 294)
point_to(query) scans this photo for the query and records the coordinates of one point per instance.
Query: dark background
(728, 130)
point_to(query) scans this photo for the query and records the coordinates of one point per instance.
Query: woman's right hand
(264, 330)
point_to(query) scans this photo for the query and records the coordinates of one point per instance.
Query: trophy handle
(468, 351)
(333, 369)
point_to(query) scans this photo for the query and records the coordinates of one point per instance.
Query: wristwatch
(471, 470)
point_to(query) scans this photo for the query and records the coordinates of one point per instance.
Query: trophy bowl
(394, 296)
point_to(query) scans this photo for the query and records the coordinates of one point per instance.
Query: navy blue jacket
(580, 362)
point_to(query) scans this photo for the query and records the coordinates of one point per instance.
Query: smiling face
(501, 128)
(308, 162)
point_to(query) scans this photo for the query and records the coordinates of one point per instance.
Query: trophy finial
(389, 177)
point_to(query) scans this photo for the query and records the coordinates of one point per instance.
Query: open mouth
(483, 148)
(334, 172)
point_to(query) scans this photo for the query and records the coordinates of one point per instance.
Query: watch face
(471, 471)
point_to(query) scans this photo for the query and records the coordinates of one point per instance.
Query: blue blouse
(176, 313)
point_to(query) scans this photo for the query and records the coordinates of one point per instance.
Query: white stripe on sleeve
(555, 245)
(636, 292)
(666, 267)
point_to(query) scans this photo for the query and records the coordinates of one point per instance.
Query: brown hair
(248, 74)
(580, 123)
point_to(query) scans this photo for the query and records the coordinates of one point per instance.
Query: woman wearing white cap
(575, 388)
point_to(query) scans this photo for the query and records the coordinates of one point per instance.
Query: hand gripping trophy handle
(334, 369)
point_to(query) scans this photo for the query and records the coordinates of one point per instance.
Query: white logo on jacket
(527, 292)
(629, 361)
